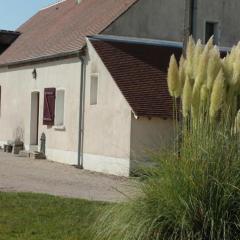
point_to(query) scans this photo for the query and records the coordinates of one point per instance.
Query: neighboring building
(103, 104)
(168, 20)
(156, 19)
(219, 18)
(6, 39)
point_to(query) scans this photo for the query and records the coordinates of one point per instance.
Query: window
(59, 111)
(53, 111)
(94, 89)
(211, 29)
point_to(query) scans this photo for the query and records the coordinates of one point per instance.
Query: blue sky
(13, 13)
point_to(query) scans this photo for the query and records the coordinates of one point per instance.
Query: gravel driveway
(41, 176)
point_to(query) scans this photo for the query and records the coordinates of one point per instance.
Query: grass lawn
(26, 216)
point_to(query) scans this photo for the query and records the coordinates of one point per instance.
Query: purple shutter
(49, 106)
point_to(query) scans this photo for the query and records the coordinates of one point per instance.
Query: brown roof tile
(62, 28)
(140, 72)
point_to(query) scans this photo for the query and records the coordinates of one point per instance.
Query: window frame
(216, 34)
(93, 100)
(60, 124)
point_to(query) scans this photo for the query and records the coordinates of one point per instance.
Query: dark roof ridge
(133, 40)
(52, 5)
(144, 41)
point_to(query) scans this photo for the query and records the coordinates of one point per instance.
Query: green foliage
(195, 196)
(37, 217)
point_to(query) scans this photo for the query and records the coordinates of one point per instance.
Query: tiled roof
(62, 28)
(140, 72)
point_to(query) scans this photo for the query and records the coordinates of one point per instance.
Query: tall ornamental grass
(193, 193)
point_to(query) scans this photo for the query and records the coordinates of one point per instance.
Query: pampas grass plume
(173, 78)
(197, 53)
(196, 101)
(189, 57)
(236, 72)
(214, 65)
(209, 45)
(217, 96)
(182, 74)
(187, 97)
(237, 123)
(227, 66)
(201, 74)
(204, 94)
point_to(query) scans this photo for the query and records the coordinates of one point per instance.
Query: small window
(94, 89)
(59, 109)
(211, 29)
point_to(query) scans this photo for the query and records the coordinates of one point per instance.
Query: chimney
(78, 1)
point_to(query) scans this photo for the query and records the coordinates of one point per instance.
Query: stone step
(24, 153)
(37, 155)
(32, 154)
(33, 148)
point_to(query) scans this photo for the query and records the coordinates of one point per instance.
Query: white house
(102, 102)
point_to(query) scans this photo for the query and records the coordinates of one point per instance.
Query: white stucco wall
(17, 85)
(112, 136)
(148, 137)
(107, 124)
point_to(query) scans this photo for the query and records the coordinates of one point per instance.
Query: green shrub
(195, 196)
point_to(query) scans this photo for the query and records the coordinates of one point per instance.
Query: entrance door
(34, 118)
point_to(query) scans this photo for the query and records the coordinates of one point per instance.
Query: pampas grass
(182, 74)
(190, 58)
(215, 82)
(201, 73)
(197, 53)
(187, 98)
(173, 78)
(217, 97)
(204, 95)
(214, 66)
(237, 123)
(236, 74)
(192, 197)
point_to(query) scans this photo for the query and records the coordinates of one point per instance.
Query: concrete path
(41, 176)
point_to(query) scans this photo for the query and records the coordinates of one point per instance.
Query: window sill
(59, 128)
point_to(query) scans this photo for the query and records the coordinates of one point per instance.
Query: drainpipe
(189, 22)
(193, 18)
(81, 112)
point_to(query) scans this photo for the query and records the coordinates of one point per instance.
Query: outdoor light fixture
(34, 73)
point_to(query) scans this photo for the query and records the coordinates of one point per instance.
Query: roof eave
(152, 116)
(44, 58)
